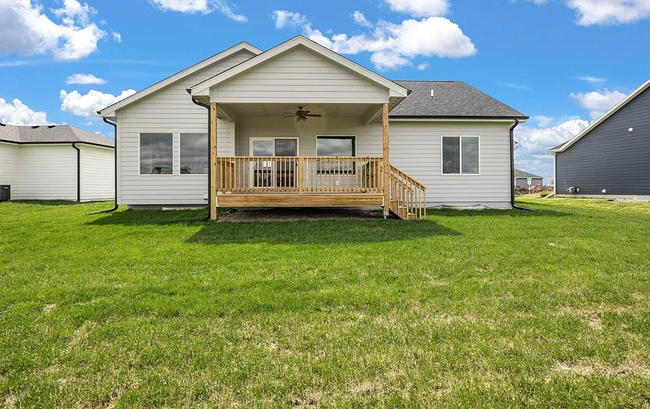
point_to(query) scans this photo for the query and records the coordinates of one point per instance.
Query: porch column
(386, 158)
(213, 161)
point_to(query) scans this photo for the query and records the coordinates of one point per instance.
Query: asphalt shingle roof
(452, 99)
(524, 174)
(51, 134)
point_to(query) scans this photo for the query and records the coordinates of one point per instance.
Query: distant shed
(521, 179)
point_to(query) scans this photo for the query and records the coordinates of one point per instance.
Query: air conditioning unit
(5, 193)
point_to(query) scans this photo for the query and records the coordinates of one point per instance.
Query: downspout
(114, 125)
(74, 145)
(206, 106)
(512, 167)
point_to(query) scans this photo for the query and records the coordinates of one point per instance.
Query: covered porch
(328, 159)
(288, 109)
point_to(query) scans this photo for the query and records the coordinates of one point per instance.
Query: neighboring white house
(301, 126)
(56, 162)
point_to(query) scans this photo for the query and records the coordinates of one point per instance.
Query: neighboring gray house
(521, 179)
(299, 125)
(56, 162)
(611, 156)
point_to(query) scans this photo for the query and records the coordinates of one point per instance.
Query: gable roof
(451, 99)
(49, 134)
(110, 110)
(524, 174)
(203, 87)
(603, 118)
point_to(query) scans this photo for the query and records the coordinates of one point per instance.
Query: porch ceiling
(282, 110)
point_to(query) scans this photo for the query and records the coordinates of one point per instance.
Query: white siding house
(56, 163)
(324, 118)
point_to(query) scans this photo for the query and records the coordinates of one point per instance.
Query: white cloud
(395, 45)
(420, 8)
(361, 19)
(592, 80)
(543, 121)
(598, 102)
(88, 105)
(199, 6)
(84, 79)
(27, 30)
(514, 86)
(285, 18)
(607, 12)
(17, 113)
(531, 153)
(423, 66)
(117, 37)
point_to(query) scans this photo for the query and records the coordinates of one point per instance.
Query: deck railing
(407, 195)
(302, 174)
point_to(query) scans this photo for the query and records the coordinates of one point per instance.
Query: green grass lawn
(465, 309)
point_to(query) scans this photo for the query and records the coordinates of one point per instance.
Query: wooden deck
(288, 181)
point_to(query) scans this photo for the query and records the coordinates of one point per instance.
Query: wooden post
(213, 160)
(301, 181)
(386, 158)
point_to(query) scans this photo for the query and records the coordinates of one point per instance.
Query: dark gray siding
(609, 157)
(523, 182)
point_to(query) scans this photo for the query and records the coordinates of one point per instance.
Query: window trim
(173, 134)
(442, 155)
(354, 154)
(180, 154)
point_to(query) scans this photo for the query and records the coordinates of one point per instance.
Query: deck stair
(407, 196)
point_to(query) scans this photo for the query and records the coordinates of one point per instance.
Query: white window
(156, 153)
(461, 155)
(336, 146)
(194, 153)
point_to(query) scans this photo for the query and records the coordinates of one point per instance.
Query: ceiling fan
(302, 114)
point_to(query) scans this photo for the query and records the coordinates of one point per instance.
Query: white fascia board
(604, 117)
(109, 112)
(458, 119)
(395, 90)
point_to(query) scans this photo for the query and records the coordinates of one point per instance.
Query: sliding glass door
(280, 172)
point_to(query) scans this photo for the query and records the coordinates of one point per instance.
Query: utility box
(5, 193)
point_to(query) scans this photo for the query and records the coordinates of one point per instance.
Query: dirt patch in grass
(586, 368)
(47, 308)
(81, 334)
(593, 316)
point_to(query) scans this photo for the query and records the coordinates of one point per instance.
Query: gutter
(56, 143)
(114, 125)
(512, 167)
(206, 106)
(74, 145)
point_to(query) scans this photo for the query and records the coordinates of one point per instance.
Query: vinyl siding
(10, 168)
(48, 172)
(169, 110)
(415, 147)
(299, 76)
(97, 173)
(609, 157)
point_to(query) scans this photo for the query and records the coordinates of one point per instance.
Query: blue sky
(562, 62)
